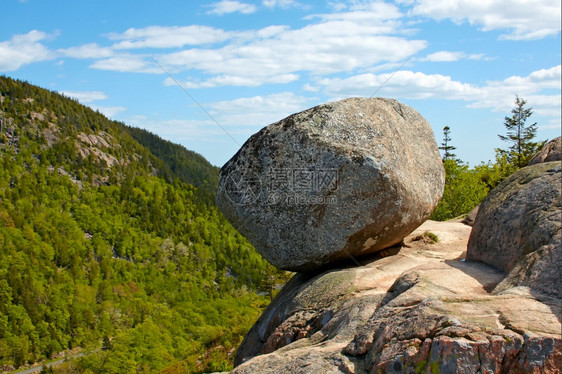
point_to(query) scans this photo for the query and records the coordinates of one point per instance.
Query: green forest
(111, 245)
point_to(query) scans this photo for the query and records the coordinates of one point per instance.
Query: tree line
(466, 187)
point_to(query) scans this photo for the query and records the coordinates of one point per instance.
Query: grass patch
(427, 237)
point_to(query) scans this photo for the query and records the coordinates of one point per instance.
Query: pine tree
(446, 145)
(106, 345)
(520, 135)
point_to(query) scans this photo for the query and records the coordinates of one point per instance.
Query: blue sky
(250, 63)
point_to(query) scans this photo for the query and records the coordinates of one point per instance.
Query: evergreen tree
(106, 345)
(464, 189)
(520, 135)
(446, 145)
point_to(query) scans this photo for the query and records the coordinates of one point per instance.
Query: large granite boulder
(419, 309)
(339, 180)
(552, 151)
(518, 229)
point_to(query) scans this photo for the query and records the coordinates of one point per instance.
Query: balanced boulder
(333, 182)
(518, 229)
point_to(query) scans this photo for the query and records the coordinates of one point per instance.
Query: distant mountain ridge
(170, 159)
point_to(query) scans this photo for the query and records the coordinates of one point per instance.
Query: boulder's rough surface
(519, 230)
(552, 151)
(342, 179)
(420, 309)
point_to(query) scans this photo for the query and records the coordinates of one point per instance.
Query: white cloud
(258, 111)
(180, 131)
(526, 19)
(240, 118)
(479, 56)
(24, 49)
(365, 36)
(496, 95)
(109, 111)
(342, 42)
(337, 6)
(127, 63)
(403, 84)
(240, 81)
(444, 56)
(280, 3)
(137, 120)
(168, 36)
(271, 31)
(310, 88)
(88, 97)
(499, 95)
(85, 96)
(367, 12)
(447, 56)
(91, 50)
(230, 6)
(553, 124)
(318, 49)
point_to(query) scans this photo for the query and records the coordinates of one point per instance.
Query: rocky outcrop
(419, 309)
(415, 307)
(338, 180)
(97, 146)
(552, 151)
(519, 230)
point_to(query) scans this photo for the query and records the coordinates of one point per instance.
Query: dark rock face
(518, 229)
(552, 151)
(342, 179)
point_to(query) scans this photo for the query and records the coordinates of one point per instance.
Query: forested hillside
(189, 166)
(106, 247)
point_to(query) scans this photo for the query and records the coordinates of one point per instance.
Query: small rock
(552, 151)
